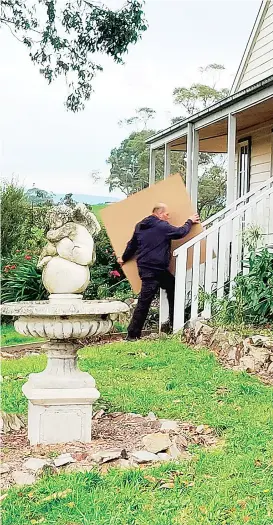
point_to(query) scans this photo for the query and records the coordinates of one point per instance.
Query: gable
(257, 61)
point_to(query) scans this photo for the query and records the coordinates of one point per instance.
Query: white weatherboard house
(240, 125)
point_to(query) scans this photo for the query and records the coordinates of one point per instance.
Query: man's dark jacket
(151, 243)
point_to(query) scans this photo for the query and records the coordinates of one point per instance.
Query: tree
(39, 197)
(211, 191)
(142, 116)
(199, 96)
(64, 36)
(129, 170)
(15, 211)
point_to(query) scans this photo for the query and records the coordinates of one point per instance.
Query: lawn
(10, 337)
(228, 485)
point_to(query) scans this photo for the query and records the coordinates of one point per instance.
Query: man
(151, 244)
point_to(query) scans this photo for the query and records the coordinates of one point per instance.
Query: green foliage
(38, 197)
(252, 295)
(15, 211)
(211, 191)
(229, 484)
(142, 116)
(129, 170)
(63, 38)
(21, 280)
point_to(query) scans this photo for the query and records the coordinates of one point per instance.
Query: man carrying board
(151, 244)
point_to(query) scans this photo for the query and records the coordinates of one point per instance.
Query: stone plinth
(61, 397)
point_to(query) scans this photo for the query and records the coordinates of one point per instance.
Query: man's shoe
(131, 339)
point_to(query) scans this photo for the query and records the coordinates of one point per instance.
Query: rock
(260, 355)
(125, 463)
(247, 363)
(169, 424)
(198, 328)
(63, 459)
(258, 340)
(6, 354)
(163, 456)
(143, 456)
(103, 456)
(270, 369)
(207, 330)
(151, 417)
(269, 344)
(23, 478)
(200, 429)
(99, 414)
(174, 451)
(34, 464)
(4, 468)
(185, 455)
(156, 442)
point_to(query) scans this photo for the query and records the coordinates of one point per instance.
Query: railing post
(180, 291)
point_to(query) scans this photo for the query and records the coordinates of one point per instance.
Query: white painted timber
(231, 157)
(221, 261)
(152, 167)
(180, 291)
(195, 280)
(195, 160)
(208, 274)
(189, 158)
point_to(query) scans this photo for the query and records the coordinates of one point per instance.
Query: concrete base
(60, 398)
(59, 423)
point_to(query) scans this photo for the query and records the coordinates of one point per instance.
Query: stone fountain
(61, 397)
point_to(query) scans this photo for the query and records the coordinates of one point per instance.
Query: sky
(44, 144)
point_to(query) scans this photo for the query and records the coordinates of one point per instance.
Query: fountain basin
(60, 398)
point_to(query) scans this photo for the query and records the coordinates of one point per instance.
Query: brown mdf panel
(121, 218)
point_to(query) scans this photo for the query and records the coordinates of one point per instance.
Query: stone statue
(70, 250)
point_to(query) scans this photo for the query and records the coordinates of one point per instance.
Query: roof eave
(226, 102)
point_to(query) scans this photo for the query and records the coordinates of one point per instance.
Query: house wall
(261, 166)
(260, 62)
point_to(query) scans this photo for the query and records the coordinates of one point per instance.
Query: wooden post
(152, 167)
(189, 157)
(167, 161)
(195, 161)
(231, 157)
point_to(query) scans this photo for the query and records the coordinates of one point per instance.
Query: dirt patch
(118, 431)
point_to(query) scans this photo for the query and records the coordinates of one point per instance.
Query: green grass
(96, 208)
(227, 485)
(9, 337)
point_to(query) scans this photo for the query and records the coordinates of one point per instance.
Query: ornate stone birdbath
(61, 397)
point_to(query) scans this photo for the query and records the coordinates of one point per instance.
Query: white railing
(213, 258)
(238, 203)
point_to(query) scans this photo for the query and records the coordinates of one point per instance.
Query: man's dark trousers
(151, 282)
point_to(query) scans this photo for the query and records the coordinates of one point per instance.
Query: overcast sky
(44, 144)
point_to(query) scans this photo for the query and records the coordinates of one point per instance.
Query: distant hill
(87, 199)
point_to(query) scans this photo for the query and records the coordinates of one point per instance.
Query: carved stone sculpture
(70, 250)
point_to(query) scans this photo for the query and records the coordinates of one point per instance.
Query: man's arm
(175, 233)
(131, 249)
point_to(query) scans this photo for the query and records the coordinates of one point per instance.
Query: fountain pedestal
(61, 397)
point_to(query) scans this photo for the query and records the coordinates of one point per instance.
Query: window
(243, 176)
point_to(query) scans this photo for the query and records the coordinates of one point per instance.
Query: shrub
(252, 295)
(21, 280)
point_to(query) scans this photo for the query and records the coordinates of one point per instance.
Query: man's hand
(120, 261)
(195, 219)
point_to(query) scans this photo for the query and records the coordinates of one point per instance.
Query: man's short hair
(159, 207)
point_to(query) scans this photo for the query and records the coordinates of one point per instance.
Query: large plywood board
(121, 218)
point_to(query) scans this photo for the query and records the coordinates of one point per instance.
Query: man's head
(161, 211)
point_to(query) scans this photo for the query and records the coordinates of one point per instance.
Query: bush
(252, 299)
(21, 280)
